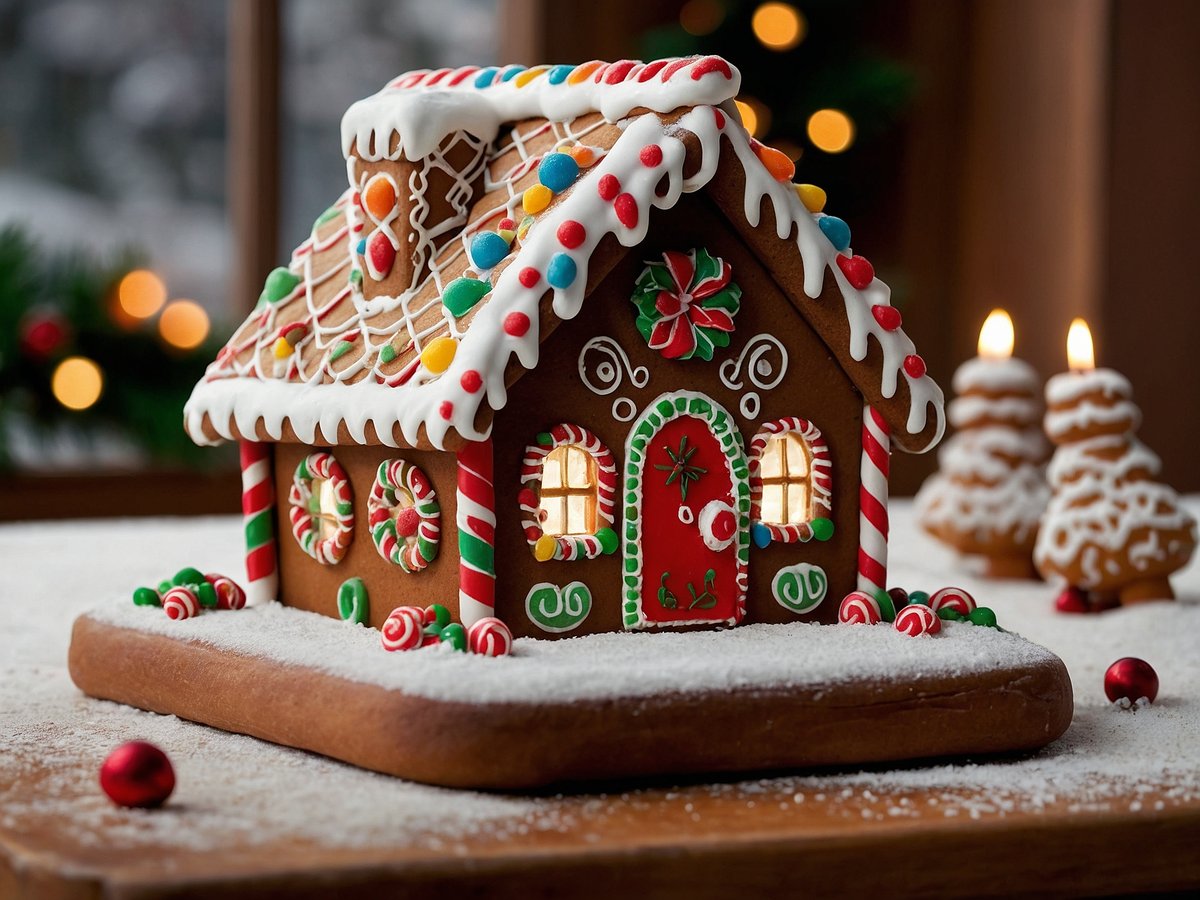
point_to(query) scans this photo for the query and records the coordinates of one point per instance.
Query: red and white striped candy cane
(258, 522)
(476, 520)
(872, 502)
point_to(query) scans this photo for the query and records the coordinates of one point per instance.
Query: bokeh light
(183, 324)
(701, 17)
(779, 26)
(141, 294)
(831, 130)
(77, 382)
(755, 115)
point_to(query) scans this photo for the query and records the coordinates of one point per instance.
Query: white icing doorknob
(718, 524)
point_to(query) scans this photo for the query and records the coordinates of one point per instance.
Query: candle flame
(996, 337)
(1081, 355)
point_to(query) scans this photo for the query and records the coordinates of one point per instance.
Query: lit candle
(989, 492)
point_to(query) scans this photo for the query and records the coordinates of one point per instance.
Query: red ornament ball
(1130, 678)
(42, 335)
(1072, 600)
(137, 774)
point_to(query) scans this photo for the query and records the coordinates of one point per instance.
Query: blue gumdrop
(487, 249)
(361, 249)
(484, 78)
(558, 171)
(761, 534)
(512, 72)
(558, 74)
(561, 271)
(836, 230)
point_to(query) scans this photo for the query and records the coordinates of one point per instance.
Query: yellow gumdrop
(811, 196)
(282, 348)
(536, 199)
(507, 234)
(439, 354)
(528, 75)
(544, 548)
(379, 197)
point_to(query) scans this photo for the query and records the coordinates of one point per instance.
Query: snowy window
(569, 492)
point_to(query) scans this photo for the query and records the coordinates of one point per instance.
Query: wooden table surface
(252, 819)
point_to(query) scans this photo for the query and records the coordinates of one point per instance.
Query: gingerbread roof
(336, 352)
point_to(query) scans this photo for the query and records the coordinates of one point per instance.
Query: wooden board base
(525, 745)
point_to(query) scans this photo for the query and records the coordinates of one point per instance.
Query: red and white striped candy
(180, 602)
(402, 630)
(952, 598)
(229, 593)
(859, 608)
(916, 619)
(489, 637)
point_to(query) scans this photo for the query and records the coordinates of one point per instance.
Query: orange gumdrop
(379, 198)
(583, 155)
(776, 162)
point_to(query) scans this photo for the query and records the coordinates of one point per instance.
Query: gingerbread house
(571, 350)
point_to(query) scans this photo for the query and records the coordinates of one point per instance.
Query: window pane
(554, 521)
(577, 514)
(772, 462)
(552, 468)
(772, 503)
(797, 458)
(798, 501)
(325, 504)
(578, 465)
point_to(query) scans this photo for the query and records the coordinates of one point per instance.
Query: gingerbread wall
(813, 387)
(307, 584)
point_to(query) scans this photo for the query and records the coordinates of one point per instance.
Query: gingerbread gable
(406, 315)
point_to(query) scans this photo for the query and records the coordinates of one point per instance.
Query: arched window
(568, 494)
(322, 508)
(790, 483)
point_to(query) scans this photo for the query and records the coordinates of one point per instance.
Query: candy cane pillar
(476, 520)
(258, 505)
(872, 502)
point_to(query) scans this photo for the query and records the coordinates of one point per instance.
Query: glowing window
(322, 506)
(786, 489)
(569, 493)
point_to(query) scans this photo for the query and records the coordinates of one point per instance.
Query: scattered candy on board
(1131, 682)
(410, 628)
(137, 774)
(190, 592)
(914, 613)
(916, 620)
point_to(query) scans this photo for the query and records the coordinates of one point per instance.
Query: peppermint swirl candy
(489, 637)
(859, 608)
(403, 629)
(181, 602)
(916, 620)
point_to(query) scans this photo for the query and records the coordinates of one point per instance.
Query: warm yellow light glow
(701, 17)
(755, 115)
(183, 324)
(1081, 354)
(996, 337)
(77, 382)
(831, 130)
(141, 294)
(779, 26)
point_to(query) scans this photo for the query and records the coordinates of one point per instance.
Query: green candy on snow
(441, 615)
(983, 615)
(950, 615)
(206, 594)
(454, 635)
(887, 609)
(921, 597)
(145, 596)
(187, 575)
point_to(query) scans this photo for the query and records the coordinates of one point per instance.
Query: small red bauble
(857, 269)
(914, 366)
(471, 381)
(625, 206)
(529, 277)
(571, 234)
(137, 774)
(1132, 679)
(608, 187)
(516, 324)
(887, 316)
(651, 155)
(1072, 600)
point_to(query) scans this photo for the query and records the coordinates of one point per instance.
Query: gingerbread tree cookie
(1111, 529)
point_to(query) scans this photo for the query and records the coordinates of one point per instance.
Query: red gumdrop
(627, 210)
(506, 225)
(651, 155)
(529, 277)
(857, 269)
(407, 521)
(471, 381)
(914, 366)
(887, 316)
(382, 253)
(516, 324)
(446, 410)
(137, 774)
(571, 234)
(608, 187)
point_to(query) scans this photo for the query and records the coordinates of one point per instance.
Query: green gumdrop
(921, 597)
(462, 294)
(278, 285)
(950, 615)
(983, 615)
(433, 629)
(145, 596)
(887, 609)
(454, 635)
(164, 586)
(187, 575)
(206, 594)
(822, 528)
(608, 540)
(441, 615)
(544, 439)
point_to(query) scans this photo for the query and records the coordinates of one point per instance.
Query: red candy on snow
(489, 637)
(608, 187)
(516, 324)
(857, 269)
(407, 521)
(137, 774)
(952, 598)
(914, 366)
(570, 234)
(471, 381)
(529, 277)
(887, 316)
(651, 155)
(916, 619)
(402, 629)
(859, 608)
(626, 209)
(1132, 679)
(1072, 600)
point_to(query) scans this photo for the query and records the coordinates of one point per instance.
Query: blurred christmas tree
(94, 363)
(812, 85)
